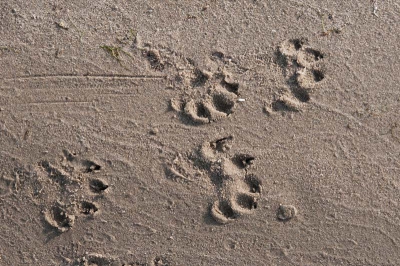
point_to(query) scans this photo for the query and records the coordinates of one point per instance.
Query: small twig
(115, 51)
(375, 10)
(322, 22)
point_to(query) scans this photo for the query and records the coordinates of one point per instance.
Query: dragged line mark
(88, 76)
(55, 102)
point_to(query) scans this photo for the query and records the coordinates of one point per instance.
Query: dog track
(218, 103)
(214, 99)
(303, 68)
(69, 177)
(238, 191)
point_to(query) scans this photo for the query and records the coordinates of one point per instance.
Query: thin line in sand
(85, 76)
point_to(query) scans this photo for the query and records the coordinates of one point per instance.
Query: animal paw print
(62, 216)
(68, 177)
(214, 98)
(238, 191)
(302, 65)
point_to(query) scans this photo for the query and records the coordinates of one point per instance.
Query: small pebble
(286, 212)
(62, 25)
(154, 131)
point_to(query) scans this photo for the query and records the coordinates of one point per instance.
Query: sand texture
(199, 132)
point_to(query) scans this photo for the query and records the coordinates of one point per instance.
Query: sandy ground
(199, 132)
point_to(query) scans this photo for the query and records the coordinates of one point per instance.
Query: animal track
(238, 192)
(206, 95)
(69, 177)
(215, 98)
(302, 66)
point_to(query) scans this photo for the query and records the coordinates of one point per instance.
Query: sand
(199, 132)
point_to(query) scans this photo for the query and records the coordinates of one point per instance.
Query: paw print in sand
(238, 191)
(302, 65)
(213, 98)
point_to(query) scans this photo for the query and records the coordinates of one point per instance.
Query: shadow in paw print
(300, 93)
(220, 212)
(200, 78)
(243, 161)
(154, 58)
(230, 86)
(298, 43)
(85, 166)
(97, 185)
(222, 144)
(223, 104)
(161, 261)
(317, 55)
(90, 166)
(88, 208)
(246, 201)
(253, 183)
(57, 220)
(286, 103)
(318, 75)
(195, 113)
